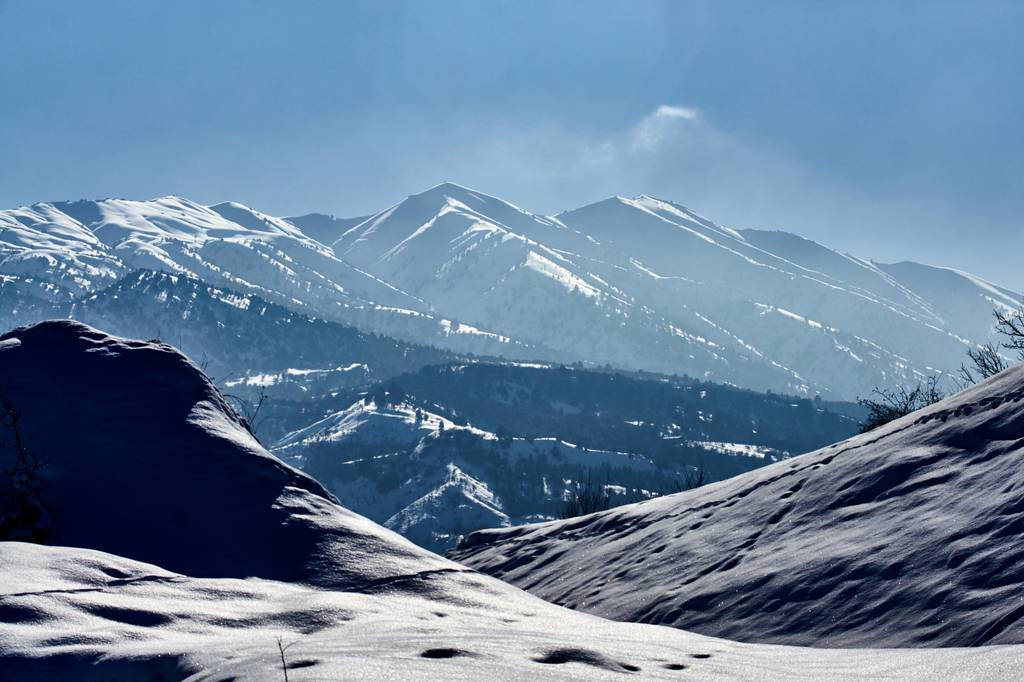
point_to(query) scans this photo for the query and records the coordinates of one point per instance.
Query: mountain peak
(447, 186)
(470, 197)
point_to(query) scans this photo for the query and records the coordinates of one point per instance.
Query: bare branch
(586, 497)
(1011, 327)
(891, 404)
(249, 411)
(22, 513)
(692, 478)
(284, 664)
(985, 362)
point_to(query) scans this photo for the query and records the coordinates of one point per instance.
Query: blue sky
(889, 129)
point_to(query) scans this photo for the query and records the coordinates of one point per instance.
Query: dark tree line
(888, 404)
(607, 410)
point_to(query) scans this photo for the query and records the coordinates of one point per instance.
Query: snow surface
(78, 614)
(225, 552)
(909, 535)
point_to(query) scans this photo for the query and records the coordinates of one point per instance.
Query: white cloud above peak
(653, 128)
(670, 111)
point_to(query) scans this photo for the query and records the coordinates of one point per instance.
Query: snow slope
(397, 425)
(429, 520)
(324, 228)
(226, 553)
(910, 535)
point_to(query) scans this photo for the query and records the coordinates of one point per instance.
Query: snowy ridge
(242, 340)
(401, 423)
(460, 501)
(646, 283)
(909, 535)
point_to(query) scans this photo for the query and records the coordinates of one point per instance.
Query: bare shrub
(23, 516)
(585, 497)
(693, 477)
(983, 362)
(249, 410)
(887, 405)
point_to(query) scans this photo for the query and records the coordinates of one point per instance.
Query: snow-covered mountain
(140, 456)
(180, 549)
(909, 535)
(646, 283)
(639, 283)
(64, 250)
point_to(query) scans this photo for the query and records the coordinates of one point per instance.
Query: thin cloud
(669, 111)
(660, 124)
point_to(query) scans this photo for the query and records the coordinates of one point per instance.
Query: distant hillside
(439, 452)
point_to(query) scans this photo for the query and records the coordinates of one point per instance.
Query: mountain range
(640, 284)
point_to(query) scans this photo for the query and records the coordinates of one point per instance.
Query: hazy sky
(894, 130)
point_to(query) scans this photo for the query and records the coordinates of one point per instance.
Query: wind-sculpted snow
(909, 535)
(78, 614)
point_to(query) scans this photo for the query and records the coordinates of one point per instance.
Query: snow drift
(910, 535)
